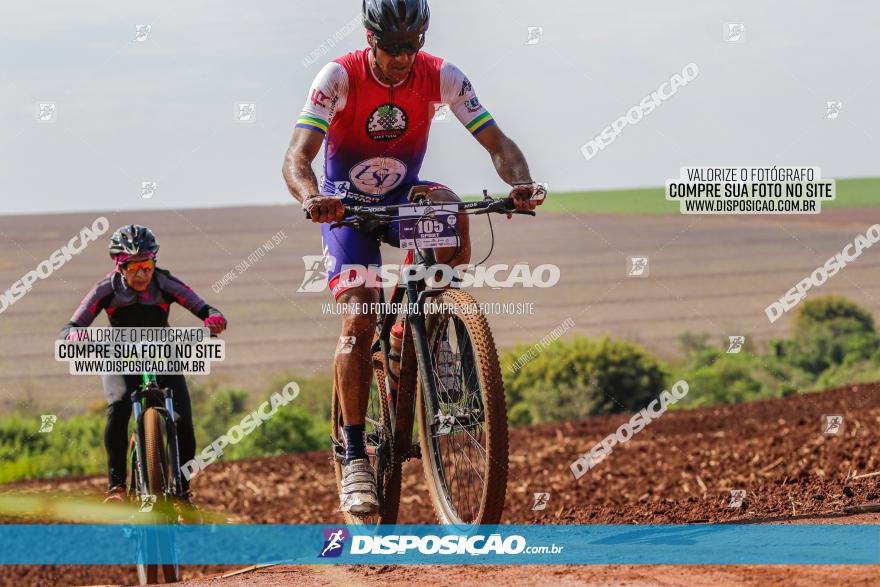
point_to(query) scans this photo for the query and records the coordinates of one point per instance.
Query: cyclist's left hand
(528, 196)
(216, 323)
(79, 335)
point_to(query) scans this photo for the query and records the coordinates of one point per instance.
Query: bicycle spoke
(476, 442)
(463, 480)
(458, 477)
(462, 453)
(455, 476)
(475, 469)
(465, 438)
(459, 447)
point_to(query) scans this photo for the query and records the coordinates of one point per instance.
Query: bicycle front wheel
(158, 475)
(464, 445)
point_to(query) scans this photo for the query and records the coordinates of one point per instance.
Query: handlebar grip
(346, 210)
(510, 206)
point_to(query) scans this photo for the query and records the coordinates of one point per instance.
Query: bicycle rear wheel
(379, 441)
(158, 474)
(464, 446)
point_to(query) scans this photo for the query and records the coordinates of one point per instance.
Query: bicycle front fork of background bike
(173, 449)
(139, 443)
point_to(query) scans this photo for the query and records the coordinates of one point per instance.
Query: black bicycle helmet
(395, 21)
(133, 240)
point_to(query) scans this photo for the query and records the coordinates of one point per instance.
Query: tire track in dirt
(563, 575)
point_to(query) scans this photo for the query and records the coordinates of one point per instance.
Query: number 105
(426, 226)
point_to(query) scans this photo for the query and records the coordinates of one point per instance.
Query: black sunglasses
(395, 49)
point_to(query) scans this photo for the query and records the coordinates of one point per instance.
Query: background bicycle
(155, 483)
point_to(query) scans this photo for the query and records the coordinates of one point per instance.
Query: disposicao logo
(334, 542)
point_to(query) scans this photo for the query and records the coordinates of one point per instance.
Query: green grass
(645, 201)
(856, 193)
(851, 193)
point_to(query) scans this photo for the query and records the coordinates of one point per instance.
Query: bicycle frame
(417, 297)
(400, 401)
(149, 394)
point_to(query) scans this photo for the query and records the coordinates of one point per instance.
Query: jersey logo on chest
(387, 122)
(378, 175)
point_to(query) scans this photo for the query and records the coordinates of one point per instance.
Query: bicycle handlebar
(382, 213)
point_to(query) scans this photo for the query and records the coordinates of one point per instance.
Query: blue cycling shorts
(349, 246)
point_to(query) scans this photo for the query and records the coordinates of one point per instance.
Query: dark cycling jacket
(127, 308)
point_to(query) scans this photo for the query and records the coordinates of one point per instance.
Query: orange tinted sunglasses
(135, 266)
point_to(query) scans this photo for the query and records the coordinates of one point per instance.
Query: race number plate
(430, 227)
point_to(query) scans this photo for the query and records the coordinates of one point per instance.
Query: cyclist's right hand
(324, 208)
(528, 195)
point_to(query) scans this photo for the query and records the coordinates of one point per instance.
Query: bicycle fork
(423, 351)
(139, 443)
(173, 449)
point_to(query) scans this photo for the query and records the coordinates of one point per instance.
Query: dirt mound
(679, 469)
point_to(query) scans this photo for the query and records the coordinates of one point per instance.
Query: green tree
(568, 380)
(829, 331)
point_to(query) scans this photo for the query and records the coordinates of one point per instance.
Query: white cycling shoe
(358, 494)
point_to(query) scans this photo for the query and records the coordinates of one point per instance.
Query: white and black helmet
(133, 240)
(396, 21)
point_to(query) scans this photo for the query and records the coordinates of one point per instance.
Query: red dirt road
(680, 469)
(616, 575)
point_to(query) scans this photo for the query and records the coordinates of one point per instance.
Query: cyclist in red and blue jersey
(137, 294)
(372, 109)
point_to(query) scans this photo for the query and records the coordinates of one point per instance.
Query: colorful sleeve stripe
(480, 122)
(312, 123)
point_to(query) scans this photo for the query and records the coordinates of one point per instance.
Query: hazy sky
(163, 109)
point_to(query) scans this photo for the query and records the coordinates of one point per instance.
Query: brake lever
(499, 206)
(341, 223)
(365, 224)
(372, 224)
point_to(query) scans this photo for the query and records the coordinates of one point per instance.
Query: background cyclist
(139, 294)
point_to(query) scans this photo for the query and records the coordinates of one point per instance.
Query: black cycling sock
(116, 441)
(354, 442)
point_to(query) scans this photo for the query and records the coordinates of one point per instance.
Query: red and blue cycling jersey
(377, 137)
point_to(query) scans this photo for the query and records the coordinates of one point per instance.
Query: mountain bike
(449, 379)
(155, 474)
